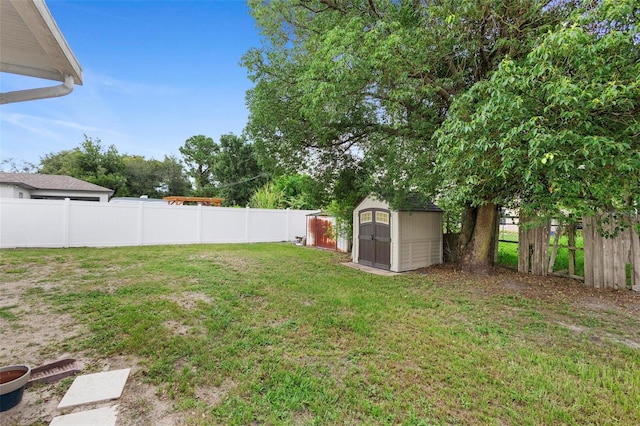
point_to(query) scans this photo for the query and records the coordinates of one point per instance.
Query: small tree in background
(199, 153)
(236, 170)
(267, 197)
(173, 179)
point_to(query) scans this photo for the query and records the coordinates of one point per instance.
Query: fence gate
(533, 248)
(322, 233)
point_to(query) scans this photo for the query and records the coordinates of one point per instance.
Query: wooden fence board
(605, 259)
(619, 254)
(572, 253)
(533, 249)
(634, 255)
(587, 235)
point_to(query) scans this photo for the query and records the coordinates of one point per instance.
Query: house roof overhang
(32, 45)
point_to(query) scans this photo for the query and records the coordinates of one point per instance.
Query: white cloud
(109, 83)
(46, 127)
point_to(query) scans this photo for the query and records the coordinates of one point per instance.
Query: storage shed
(398, 240)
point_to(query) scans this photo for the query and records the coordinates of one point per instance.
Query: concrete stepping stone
(105, 416)
(95, 387)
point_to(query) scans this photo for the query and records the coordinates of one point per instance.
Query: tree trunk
(478, 239)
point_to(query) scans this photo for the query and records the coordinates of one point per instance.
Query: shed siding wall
(372, 203)
(356, 234)
(395, 241)
(420, 240)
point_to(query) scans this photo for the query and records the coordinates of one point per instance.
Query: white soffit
(31, 43)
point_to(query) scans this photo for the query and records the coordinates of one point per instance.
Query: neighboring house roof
(50, 182)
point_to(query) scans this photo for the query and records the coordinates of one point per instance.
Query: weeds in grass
(324, 344)
(6, 313)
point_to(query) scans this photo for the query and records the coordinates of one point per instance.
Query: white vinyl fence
(65, 223)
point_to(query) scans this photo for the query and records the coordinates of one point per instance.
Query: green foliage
(199, 154)
(173, 180)
(127, 175)
(90, 162)
(374, 79)
(301, 191)
(350, 187)
(13, 165)
(268, 197)
(236, 171)
(557, 129)
(143, 176)
(154, 178)
(294, 191)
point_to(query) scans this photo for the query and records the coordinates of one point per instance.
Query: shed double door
(374, 240)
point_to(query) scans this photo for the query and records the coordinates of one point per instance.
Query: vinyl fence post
(66, 217)
(287, 232)
(247, 237)
(140, 223)
(199, 224)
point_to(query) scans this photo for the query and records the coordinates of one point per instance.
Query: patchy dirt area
(34, 334)
(559, 289)
(620, 306)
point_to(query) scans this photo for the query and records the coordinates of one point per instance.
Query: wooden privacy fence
(533, 248)
(606, 260)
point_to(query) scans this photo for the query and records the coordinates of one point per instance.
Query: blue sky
(154, 73)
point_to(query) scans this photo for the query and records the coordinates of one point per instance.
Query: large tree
(375, 79)
(236, 171)
(558, 130)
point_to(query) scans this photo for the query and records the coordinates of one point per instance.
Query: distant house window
(382, 217)
(366, 217)
(64, 197)
(20, 195)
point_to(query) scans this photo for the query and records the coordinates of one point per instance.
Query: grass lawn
(281, 334)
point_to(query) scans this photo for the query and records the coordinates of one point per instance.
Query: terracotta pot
(13, 379)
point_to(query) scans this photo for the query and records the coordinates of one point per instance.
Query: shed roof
(50, 182)
(32, 44)
(411, 202)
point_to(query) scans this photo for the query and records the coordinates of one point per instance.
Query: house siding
(13, 191)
